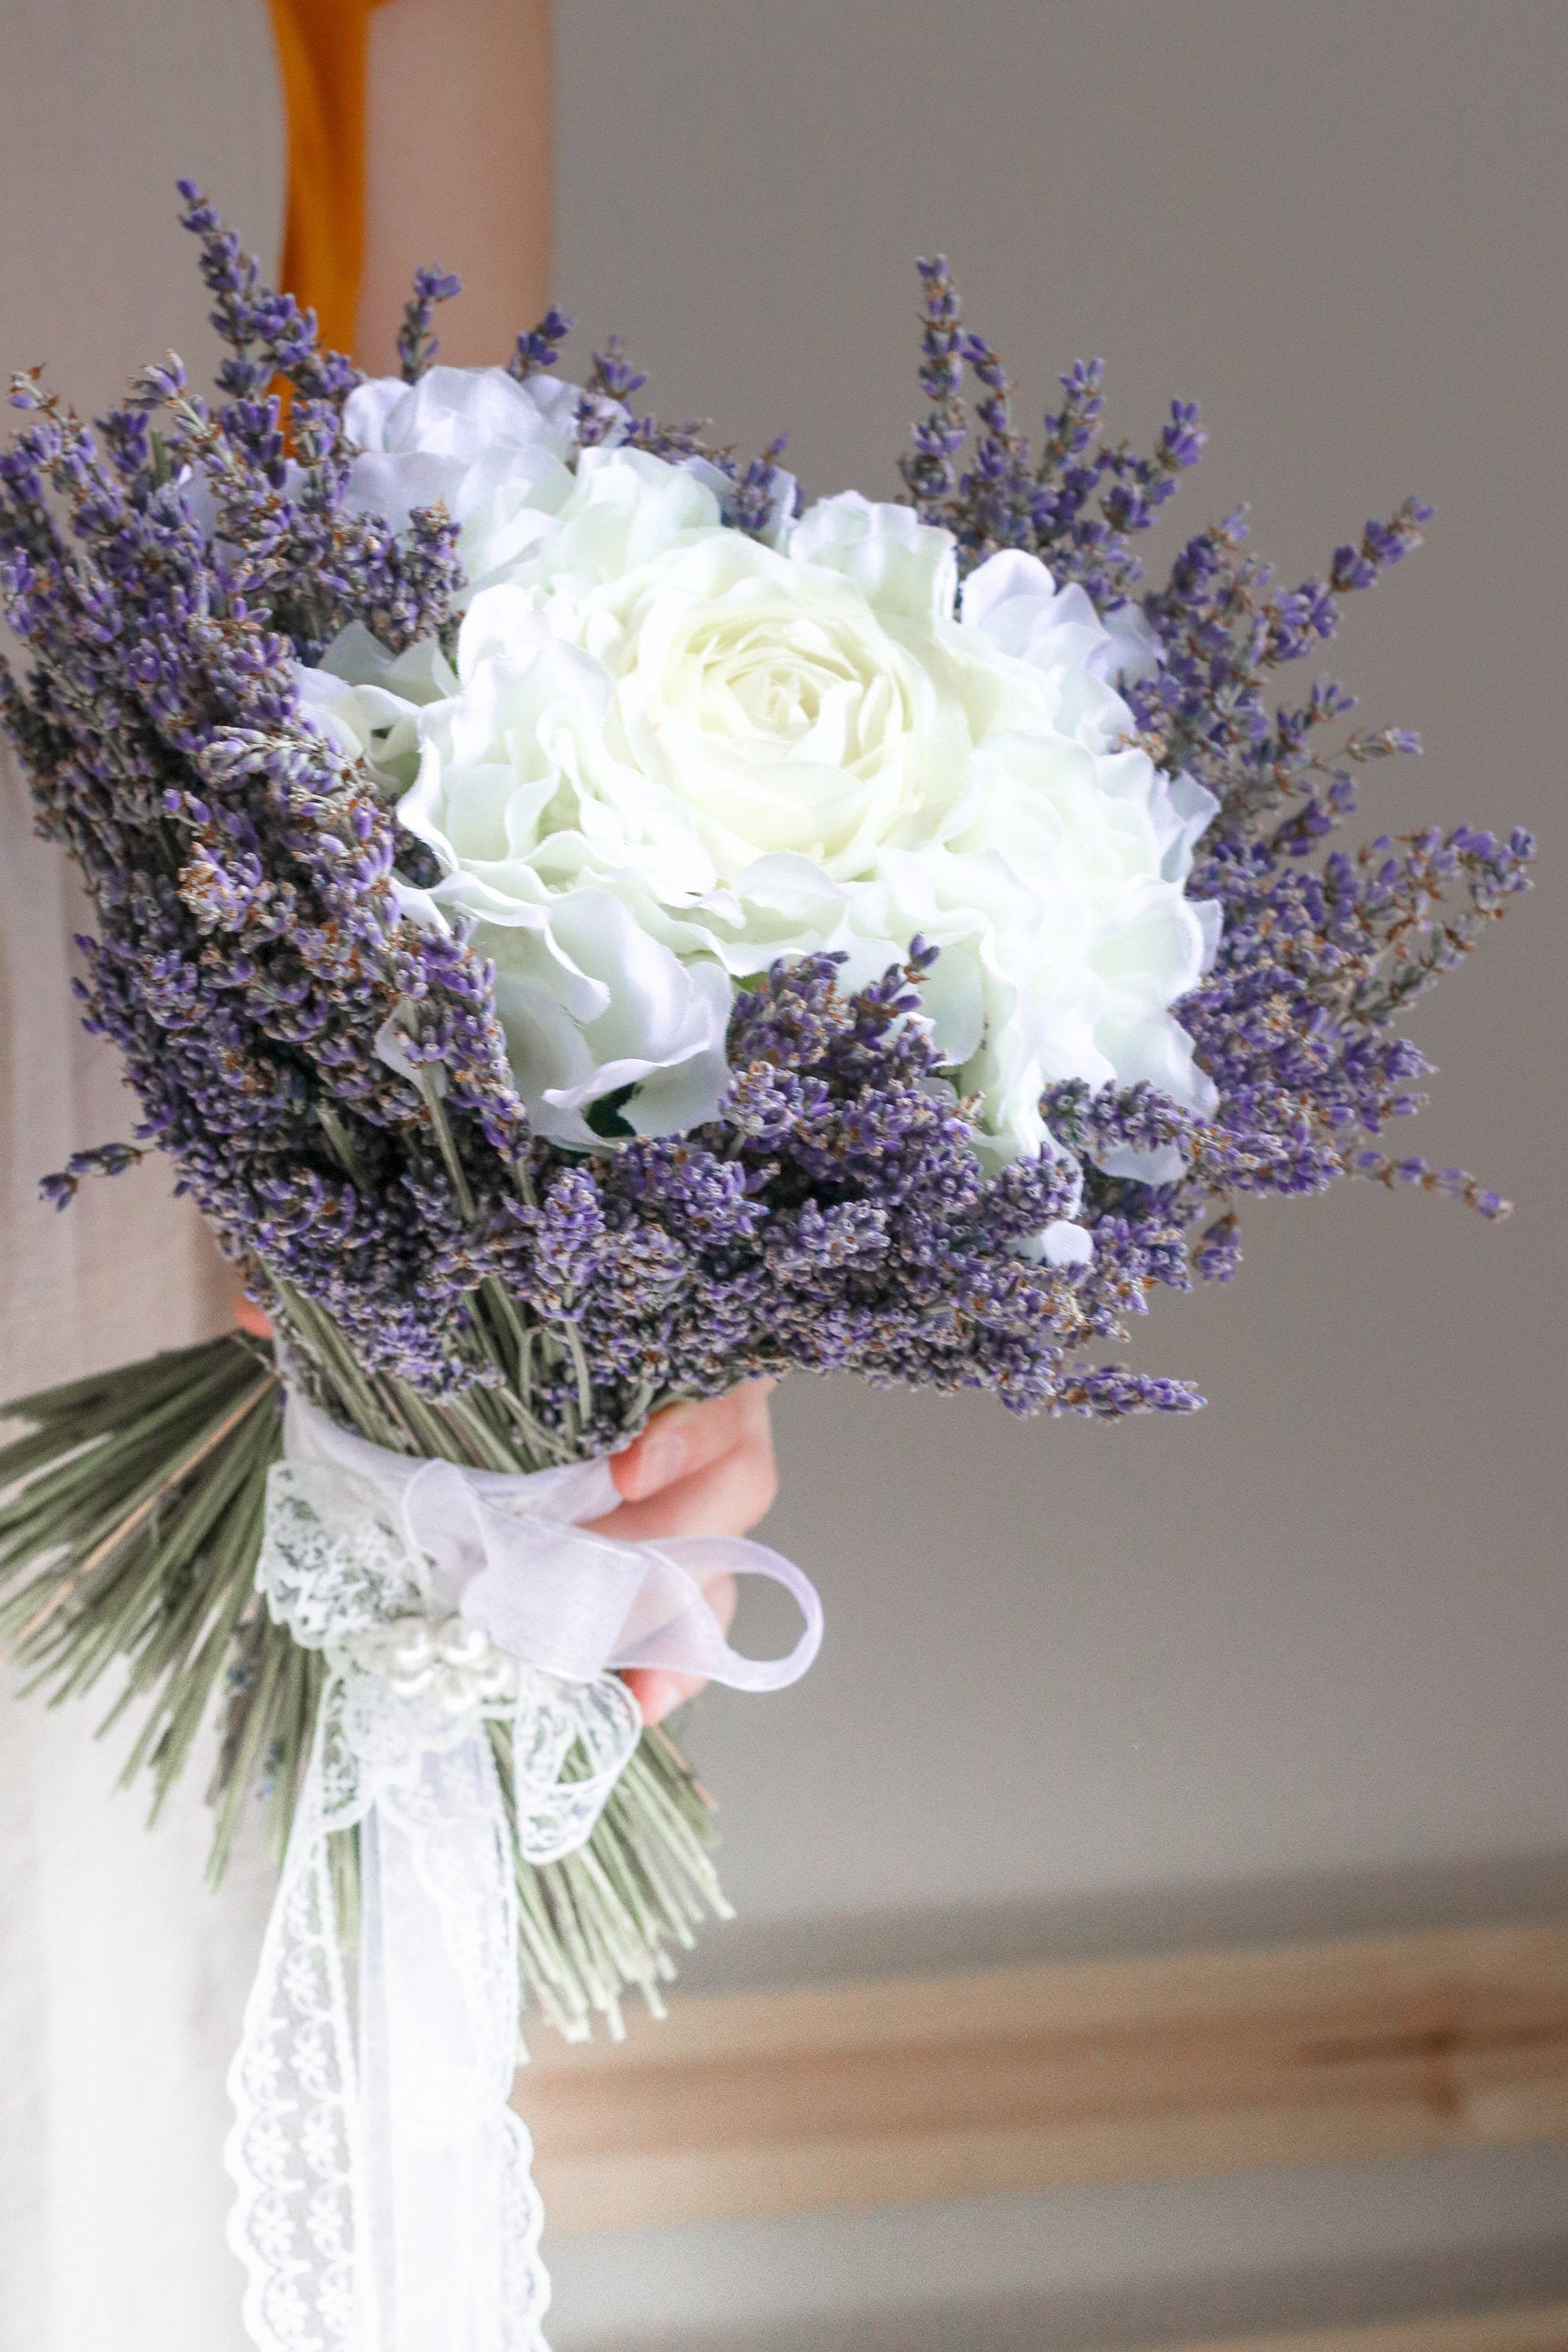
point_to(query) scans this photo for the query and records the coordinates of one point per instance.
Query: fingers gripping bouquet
(590, 928)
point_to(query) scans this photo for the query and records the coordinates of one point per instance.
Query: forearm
(457, 170)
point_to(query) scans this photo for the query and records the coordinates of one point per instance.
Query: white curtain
(122, 1978)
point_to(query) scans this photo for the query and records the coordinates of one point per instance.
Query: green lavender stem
(131, 1519)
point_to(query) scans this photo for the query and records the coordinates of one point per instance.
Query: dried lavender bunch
(250, 962)
(1321, 950)
(244, 871)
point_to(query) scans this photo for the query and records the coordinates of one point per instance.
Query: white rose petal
(898, 564)
(1068, 1244)
(463, 413)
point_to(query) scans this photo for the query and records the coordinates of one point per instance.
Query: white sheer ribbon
(384, 2201)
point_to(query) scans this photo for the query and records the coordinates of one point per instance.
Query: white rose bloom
(668, 753)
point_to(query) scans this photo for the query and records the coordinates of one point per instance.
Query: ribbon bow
(385, 2198)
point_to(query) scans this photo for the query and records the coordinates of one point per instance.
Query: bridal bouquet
(590, 928)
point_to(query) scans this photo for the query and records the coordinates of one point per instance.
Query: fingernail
(659, 1693)
(662, 1460)
(655, 1696)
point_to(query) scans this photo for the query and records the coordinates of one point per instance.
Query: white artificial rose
(667, 753)
(490, 448)
(455, 416)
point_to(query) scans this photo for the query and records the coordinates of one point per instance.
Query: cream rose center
(788, 687)
(783, 722)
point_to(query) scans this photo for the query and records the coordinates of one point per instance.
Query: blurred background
(1297, 1666)
(1294, 1669)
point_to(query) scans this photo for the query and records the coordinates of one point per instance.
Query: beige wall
(1301, 1663)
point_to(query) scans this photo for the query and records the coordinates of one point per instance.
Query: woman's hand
(697, 1470)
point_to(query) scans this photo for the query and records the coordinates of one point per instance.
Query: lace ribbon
(384, 2199)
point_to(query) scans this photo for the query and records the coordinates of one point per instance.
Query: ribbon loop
(690, 1638)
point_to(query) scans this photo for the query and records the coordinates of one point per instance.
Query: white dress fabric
(121, 1978)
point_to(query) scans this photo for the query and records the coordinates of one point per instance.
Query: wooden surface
(1042, 2077)
(1541, 2328)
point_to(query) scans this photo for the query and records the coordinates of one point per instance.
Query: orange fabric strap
(322, 46)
